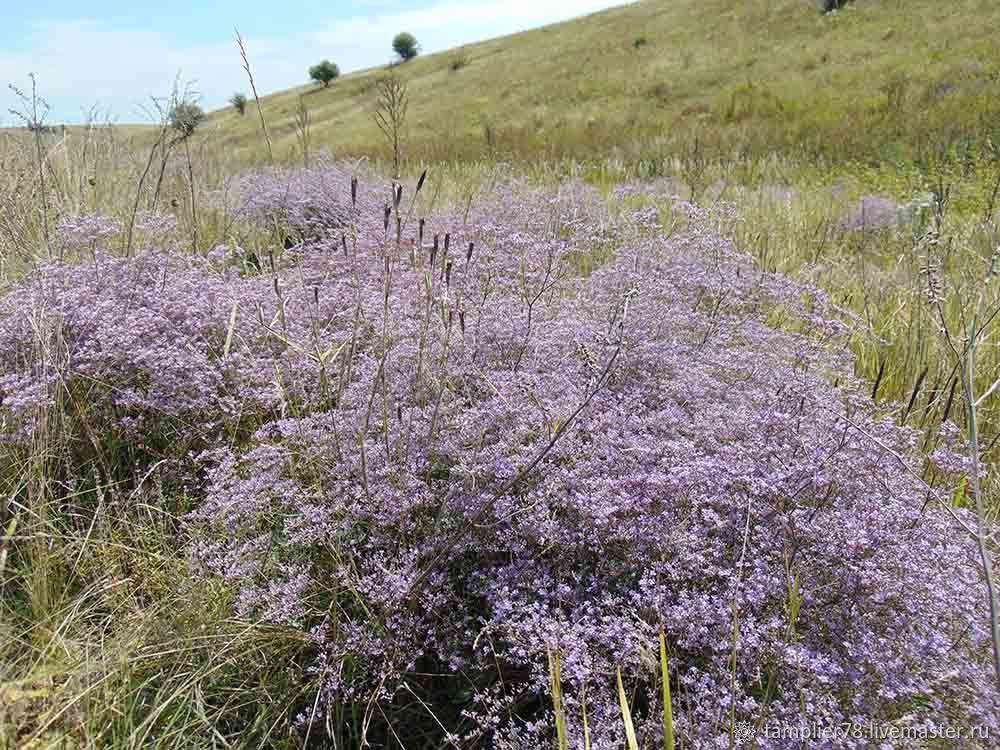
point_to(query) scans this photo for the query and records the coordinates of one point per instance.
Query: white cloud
(83, 62)
(450, 23)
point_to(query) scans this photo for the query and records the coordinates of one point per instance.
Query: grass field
(879, 81)
(853, 157)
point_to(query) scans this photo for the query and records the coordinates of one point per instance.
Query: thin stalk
(984, 555)
(256, 98)
(194, 202)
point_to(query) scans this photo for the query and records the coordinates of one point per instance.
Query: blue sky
(116, 54)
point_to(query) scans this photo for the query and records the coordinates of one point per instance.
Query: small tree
(405, 45)
(186, 117)
(324, 72)
(239, 102)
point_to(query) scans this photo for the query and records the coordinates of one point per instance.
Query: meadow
(648, 401)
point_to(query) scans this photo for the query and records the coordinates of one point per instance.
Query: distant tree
(459, 60)
(405, 45)
(324, 72)
(239, 102)
(186, 117)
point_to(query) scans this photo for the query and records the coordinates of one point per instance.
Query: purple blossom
(546, 426)
(87, 231)
(874, 213)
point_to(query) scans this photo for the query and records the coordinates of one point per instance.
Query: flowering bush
(87, 230)
(875, 213)
(442, 458)
(310, 203)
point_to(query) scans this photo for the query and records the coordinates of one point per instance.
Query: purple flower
(441, 466)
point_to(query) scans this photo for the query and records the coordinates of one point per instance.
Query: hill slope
(881, 78)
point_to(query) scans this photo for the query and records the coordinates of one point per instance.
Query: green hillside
(880, 79)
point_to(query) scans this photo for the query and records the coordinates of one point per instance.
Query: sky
(113, 56)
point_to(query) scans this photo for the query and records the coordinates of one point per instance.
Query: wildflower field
(303, 450)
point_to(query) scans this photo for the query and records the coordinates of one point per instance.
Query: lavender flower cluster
(87, 230)
(442, 452)
(310, 203)
(95, 231)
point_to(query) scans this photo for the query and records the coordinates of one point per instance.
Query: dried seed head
(420, 232)
(468, 253)
(933, 290)
(444, 256)
(461, 320)
(434, 250)
(447, 274)
(354, 192)
(420, 182)
(385, 221)
(316, 295)
(343, 242)
(588, 359)
(398, 197)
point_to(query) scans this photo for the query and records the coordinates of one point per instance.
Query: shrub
(239, 102)
(874, 213)
(324, 72)
(310, 203)
(140, 341)
(458, 61)
(438, 462)
(88, 230)
(533, 460)
(186, 117)
(640, 42)
(828, 6)
(405, 45)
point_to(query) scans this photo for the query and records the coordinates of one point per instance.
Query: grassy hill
(892, 80)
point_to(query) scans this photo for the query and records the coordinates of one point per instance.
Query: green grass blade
(633, 743)
(668, 708)
(555, 674)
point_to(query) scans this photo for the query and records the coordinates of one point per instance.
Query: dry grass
(878, 80)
